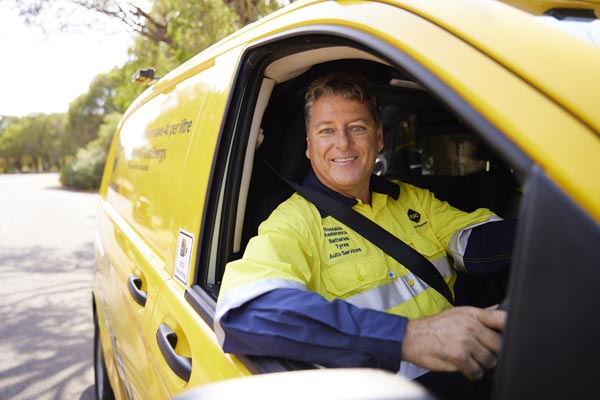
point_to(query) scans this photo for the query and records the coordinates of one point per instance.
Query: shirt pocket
(355, 276)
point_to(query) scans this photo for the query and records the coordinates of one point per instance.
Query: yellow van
(481, 103)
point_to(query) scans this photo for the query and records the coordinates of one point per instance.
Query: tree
(54, 140)
(152, 24)
(11, 146)
(85, 170)
(36, 142)
(168, 33)
(195, 25)
(86, 113)
(155, 22)
(249, 11)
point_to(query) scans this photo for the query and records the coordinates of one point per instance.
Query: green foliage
(170, 34)
(85, 170)
(86, 113)
(108, 129)
(249, 11)
(34, 143)
(195, 25)
(147, 54)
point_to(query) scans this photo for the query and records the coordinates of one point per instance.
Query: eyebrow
(360, 119)
(327, 122)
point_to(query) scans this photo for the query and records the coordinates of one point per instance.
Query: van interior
(426, 144)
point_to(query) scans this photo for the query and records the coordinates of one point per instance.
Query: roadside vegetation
(167, 33)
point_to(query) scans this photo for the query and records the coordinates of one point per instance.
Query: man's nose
(342, 138)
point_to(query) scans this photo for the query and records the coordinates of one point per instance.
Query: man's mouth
(343, 159)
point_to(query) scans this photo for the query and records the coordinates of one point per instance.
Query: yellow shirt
(297, 248)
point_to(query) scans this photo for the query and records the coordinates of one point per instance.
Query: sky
(43, 73)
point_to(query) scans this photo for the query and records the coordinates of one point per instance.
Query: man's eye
(358, 129)
(326, 131)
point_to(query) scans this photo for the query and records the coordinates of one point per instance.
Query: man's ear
(306, 152)
(379, 139)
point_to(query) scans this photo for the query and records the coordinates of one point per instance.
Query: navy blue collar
(377, 184)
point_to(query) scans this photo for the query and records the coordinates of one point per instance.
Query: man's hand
(463, 339)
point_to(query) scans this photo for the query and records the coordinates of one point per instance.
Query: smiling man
(310, 289)
(344, 137)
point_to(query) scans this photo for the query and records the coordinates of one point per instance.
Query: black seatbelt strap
(400, 251)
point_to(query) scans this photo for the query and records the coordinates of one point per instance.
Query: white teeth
(344, 159)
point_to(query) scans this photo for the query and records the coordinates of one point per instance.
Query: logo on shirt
(414, 216)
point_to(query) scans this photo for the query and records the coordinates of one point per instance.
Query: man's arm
(302, 325)
(484, 248)
(490, 247)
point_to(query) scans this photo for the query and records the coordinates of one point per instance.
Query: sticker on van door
(185, 243)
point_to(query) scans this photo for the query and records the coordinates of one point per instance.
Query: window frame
(224, 184)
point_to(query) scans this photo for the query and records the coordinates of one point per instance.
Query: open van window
(427, 143)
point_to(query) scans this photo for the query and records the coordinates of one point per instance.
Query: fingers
(476, 353)
(487, 342)
(493, 318)
(472, 369)
(491, 322)
(483, 355)
(463, 339)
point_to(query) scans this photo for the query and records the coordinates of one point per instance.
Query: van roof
(554, 62)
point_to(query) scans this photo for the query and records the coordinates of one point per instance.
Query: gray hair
(352, 86)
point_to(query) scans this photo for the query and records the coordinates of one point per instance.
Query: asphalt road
(46, 263)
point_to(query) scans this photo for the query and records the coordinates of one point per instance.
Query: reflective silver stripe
(410, 370)
(443, 266)
(391, 294)
(459, 240)
(237, 296)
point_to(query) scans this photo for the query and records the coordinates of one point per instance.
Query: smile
(345, 159)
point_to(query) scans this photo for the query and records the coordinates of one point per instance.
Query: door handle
(134, 284)
(167, 340)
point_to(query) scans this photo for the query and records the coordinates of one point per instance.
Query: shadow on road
(47, 328)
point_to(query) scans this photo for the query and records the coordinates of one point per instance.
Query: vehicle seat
(285, 152)
(496, 190)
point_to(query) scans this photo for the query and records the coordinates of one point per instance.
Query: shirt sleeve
(302, 325)
(490, 247)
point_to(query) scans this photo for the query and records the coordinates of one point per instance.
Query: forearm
(303, 326)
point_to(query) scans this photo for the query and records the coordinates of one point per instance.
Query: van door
(135, 275)
(177, 333)
(139, 207)
(553, 324)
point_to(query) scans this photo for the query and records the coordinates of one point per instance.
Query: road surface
(46, 263)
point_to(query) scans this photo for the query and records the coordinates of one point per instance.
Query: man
(310, 289)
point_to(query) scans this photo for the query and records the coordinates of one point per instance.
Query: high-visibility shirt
(300, 248)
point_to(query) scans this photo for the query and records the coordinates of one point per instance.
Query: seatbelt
(400, 251)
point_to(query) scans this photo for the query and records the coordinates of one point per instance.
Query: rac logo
(414, 216)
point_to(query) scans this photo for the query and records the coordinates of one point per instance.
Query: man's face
(342, 145)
